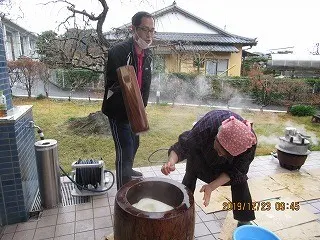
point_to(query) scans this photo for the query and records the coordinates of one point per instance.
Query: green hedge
(76, 78)
(302, 110)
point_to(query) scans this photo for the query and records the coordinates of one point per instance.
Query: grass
(166, 123)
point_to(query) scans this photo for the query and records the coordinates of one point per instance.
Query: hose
(161, 155)
(85, 188)
(84, 176)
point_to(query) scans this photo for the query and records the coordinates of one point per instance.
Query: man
(133, 51)
(219, 149)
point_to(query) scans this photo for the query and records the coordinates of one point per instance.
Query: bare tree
(14, 75)
(80, 47)
(6, 9)
(28, 71)
(44, 74)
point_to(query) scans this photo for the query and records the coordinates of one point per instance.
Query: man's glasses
(147, 30)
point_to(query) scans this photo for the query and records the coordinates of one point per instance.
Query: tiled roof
(223, 36)
(203, 38)
(207, 48)
(10, 25)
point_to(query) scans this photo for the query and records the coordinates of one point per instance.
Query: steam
(270, 140)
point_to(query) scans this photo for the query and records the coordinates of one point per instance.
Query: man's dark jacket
(120, 55)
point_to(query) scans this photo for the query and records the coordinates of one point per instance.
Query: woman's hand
(168, 168)
(170, 165)
(207, 189)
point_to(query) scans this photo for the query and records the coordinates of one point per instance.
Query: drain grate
(67, 198)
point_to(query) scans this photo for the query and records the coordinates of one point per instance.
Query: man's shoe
(240, 223)
(136, 173)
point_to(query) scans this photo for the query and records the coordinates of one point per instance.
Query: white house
(187, 43)
(18, 40)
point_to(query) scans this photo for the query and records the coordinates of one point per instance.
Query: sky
(275, 23)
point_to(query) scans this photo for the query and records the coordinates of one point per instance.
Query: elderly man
(219, 150)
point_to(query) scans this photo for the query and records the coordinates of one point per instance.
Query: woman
(219, 150)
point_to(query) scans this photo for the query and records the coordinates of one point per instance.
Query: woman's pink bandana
(236, 136)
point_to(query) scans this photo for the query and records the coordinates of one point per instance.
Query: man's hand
(207, 189)
(168, 168)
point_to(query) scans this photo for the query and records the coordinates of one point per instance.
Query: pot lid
(292, 152)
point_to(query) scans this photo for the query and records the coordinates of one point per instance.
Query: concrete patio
(94, 220)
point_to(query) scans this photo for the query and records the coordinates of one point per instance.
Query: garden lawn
(166, 123)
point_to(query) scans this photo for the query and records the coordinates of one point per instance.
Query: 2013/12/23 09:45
(261, 206)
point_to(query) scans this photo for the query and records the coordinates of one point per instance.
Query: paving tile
(101, 212)
(89, 235)
(137, 169)
(7, 236)
(112, 192)
(221, 214)
(44, 233)
(201, 230)
(149, 174)
(47, 221)
(10, 228)
(197, 218)
(48, 212)
(66, 237)
(26, 226)
(24, 235)
(111, 201)
(176, 177)
(213, 226)
(84, 214)
(83, 206)
(112, 210)
(66, 209)
(207, 237)
(145, 169)
(311, 208)
(105, 195)
(206, 217)
(100, 234)
(101, 202)
(66, 217)
(103, 222)
(84, 225)
(197, 208)
(160, 174)
(221, 221)
(217, 236)
(316, 205)
(64, 229)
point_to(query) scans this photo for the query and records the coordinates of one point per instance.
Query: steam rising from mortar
(271, 140)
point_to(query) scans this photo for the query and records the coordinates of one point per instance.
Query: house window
(217, 67)
(158, 63)
(22, 47)
(10, 46)
(198, 62)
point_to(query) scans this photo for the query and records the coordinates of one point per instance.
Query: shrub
(76, 78)
(302, 110)
(40, 97)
